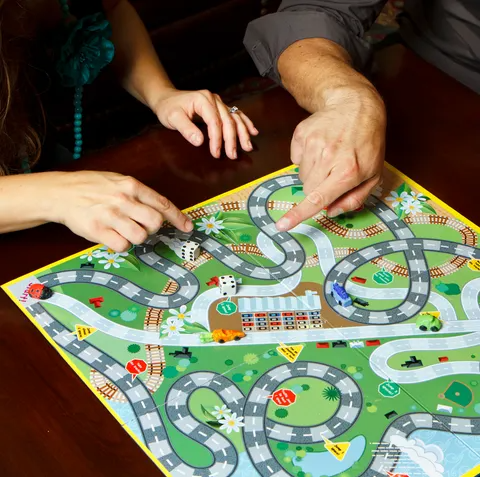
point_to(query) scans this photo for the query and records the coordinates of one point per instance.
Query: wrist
(51, 195)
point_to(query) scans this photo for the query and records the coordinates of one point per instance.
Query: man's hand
(340, 150)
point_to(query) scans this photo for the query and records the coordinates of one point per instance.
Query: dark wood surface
(51, 423)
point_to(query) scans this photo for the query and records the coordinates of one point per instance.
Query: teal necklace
(86, 50)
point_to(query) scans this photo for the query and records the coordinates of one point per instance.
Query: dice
(227, 285)
(190, 250)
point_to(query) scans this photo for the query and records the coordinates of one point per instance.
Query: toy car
(40, 292)
(428, 322)
(340, 295)
(222, 336)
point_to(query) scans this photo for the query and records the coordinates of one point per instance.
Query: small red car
(40, 292)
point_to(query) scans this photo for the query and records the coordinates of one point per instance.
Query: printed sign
(226, 308)
(389, 389)
(291, 352)
(136, 367)
(283, 397)
(83, 331)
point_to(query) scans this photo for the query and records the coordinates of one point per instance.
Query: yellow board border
(67, 358)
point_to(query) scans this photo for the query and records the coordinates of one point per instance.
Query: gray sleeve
(341, 21)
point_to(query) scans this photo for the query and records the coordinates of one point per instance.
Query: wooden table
(51, 424)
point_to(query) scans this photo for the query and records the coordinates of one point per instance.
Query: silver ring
(233, 110)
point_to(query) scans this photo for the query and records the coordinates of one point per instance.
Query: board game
(347, 347)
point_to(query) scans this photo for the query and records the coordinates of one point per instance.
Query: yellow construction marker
(291, 352)
(435, 314)
(473, 473)
(83, 331)
(338, 450)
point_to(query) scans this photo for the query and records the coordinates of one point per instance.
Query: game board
(314, 389)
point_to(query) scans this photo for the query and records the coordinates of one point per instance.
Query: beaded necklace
(87, 49)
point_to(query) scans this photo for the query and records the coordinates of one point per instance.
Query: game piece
(344, 375)
(413, 362)
(97, 301)
(40, 292)
(428, 323)
(227, 285)
(361, 302)
(183, 353)
(190, 250)
(340, 295)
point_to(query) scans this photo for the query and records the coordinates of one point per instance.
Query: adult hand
(176, 110)
(109, 208)
(339, 150)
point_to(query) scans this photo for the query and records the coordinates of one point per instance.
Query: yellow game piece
(83, 331)
(338, 449)
(435, 314)
(473, 473)
(291, 352)
(474, 264)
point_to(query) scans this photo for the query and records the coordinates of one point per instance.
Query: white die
(227, 285)
(190, 250)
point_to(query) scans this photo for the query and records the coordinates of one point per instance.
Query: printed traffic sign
(136, 367)
(83, 331)
(283, 397)
(389, 389)
(226, 308)
(474, 264)
(383, 277)
(338, 450)
(291, 352)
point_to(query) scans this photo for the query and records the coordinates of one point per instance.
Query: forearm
(315, 70)
(26, 200)
(136, 61)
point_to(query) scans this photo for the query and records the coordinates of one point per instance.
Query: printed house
(281, 313)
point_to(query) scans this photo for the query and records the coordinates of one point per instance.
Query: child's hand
(110, 208)
(176, 109)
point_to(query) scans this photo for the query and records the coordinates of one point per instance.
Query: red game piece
(372, 342)
(443, 359)
(323, 345)
(359, 279)
(96, 301)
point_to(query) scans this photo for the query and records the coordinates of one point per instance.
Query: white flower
(112, 260)
(397, 199)
(417, 196)
(221, 412)
(89, 255)
(106, 252)
(210, 225)
(180, 315)
(411, 206)
(172, 327)
(231, 423)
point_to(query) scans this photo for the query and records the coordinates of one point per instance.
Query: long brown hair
(19, 138)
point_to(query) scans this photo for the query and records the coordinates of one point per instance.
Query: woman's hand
(109, 208)
(176, 109)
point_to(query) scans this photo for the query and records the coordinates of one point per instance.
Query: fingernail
(335, 212)
(249, 144)
(218, 152)
(283, 224)
(195, 139)
(234, 153)
(255, 131)
(188, 225)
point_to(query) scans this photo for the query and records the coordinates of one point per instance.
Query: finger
(165, 208)
(353, 199)
(114, 240)
(129, 229)
(147, 217)
(328, 191)
(242, 132)
(180, 121)
(296, 147)
(209, 113)
(229, 130)
(248, 122)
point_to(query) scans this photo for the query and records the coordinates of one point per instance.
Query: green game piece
(282, 446)
(226, 308)
(237, 377)
(134, 348)
(193, 359)
(383, 277)
(459, 393)
(114, 313)
(229, 362)
(389, 389)
(170, 372)
(184, 363)
(281, 413)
